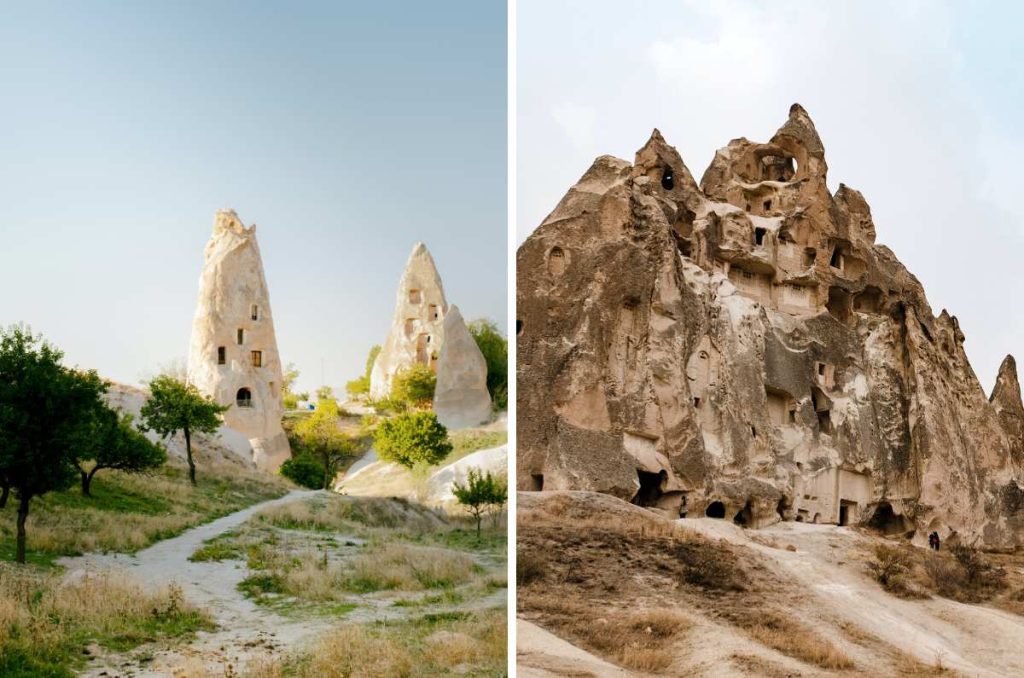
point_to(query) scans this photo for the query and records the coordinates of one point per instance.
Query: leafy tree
(483, 491)
(320, 436)
(324, 393)
(304, 470)
(414, 386)
(361, 385)
(176, 406)
(412, 437)
(44, 410)
(495, 349)
(114, 443)
(289, 398)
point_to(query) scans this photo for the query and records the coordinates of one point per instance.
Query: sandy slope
(827, 591)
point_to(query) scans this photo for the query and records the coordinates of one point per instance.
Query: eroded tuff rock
(417, 327)
(461, 399)
(743, 349)
(233, 354)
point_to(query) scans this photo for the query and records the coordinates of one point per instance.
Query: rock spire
(461, 399)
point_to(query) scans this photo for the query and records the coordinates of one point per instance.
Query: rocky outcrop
(743, 349)
(417, 327)
(233, 353)
(461, 399)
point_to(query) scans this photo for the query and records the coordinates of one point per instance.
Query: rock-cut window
(255, 314)
(222, 355)
(241, 336)
(243, 398)
(257, 358)
(668, 181)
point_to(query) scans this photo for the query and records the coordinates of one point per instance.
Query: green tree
(289, 398)
(412, 437)
(324, 393)
(495, 349)
(176, 406)
(361, 385)
(44, 410)
(304, 470)
(114, 443)
(414, 386)
(483, 491)
(320, 436)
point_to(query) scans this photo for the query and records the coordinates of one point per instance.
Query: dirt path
(828, 562)
(244, 629)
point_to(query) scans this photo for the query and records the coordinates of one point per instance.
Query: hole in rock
(759, 234)
(222, 355)
(244, 397)
(556, 261)
(745, 517)
(519, 327)
(767, 205)
(887, 521)
(537, 482)
(650, 487)
(667, 179)
(715, 509)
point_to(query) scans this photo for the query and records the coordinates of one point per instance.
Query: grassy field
(466, 643)
(129, 512)
(327, 554)
(48, 626)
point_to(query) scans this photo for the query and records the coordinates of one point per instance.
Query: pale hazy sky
(918, 104)
(346, 131)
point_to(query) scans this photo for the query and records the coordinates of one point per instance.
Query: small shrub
(891, 568)
(412, 437)
(709, 568)
(304, 470)
(530, 568)
(414, 386)
(979, 572)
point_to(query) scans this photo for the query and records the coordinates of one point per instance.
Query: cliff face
(233, 354)
(743, 349)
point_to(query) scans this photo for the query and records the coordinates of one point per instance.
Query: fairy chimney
(461, 399)
(233, 353)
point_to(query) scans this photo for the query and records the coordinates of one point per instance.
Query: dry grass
(45, 623)
(892, 568)
(794, 640)
(355, 515)
(474, 645)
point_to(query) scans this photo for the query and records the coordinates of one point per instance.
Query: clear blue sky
(346, 131)
(918, 104)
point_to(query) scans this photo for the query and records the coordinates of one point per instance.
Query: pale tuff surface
(233, 355)
(744, 349)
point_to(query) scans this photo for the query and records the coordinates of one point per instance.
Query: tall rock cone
(1006, 400)
(417, 327)
(461, 398)
(233, 353)
(742, 349)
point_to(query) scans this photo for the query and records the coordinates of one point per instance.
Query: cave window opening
(537, 482)
(744, 517)
(715, 509)
(519, 327)
(254, 312)
(825, 421)
(415, 296)
(821, 369)
(696, 402)
(556, 261)
(759, 234)
(836, 261)
(650, 487)
(847, 511)
(240, 336)
(792, 415)
(222, 355)
(753, 432)
(667, 179)
(767, 205)
(243, 398)
(782, 508)
(256, 357)
(748, 206)
(810, 254)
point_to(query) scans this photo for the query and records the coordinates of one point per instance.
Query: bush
(494, 348)
(979, 572)
(304, 470)
(412, 437)
(891, 568)
(414, 385)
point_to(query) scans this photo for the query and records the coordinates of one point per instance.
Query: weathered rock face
(461, 399)
(233, 354)
(743, 349)
(417, 328)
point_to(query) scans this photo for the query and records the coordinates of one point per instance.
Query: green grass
(466, 442)
(448, 597)
(489, 541)
(130, 512)
(217, 549)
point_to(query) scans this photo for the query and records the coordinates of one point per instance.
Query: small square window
(257, 358)
(222, 355)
